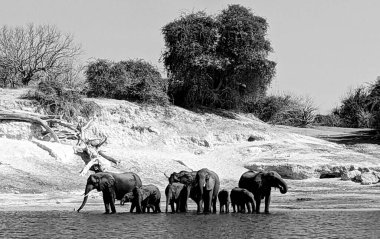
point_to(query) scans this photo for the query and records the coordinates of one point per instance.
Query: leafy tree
(217, 61)
(126, 80)
(354, 109)
(34, 51)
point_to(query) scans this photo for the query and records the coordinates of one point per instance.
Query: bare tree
(27, 52)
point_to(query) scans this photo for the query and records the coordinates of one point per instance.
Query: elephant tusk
(86, 194)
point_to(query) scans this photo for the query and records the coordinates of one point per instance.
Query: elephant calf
(224, 201)
(143, 198)
(241, 197)
(176, 193)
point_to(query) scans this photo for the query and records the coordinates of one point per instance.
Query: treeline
(211, 61)
(360, 108)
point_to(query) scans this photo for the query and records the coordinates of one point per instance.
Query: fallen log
(30, 119)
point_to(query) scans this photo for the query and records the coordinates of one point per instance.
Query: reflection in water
(284, 224)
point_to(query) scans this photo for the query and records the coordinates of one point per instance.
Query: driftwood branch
(30, 119)
(65, 124)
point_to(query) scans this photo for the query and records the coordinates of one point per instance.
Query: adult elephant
(187, 178)
(260, 184)
(113, 185)
(205, 190)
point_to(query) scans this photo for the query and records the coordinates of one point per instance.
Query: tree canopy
(217, 61)
(27, 52)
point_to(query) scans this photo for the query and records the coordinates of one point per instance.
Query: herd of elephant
(201, 186)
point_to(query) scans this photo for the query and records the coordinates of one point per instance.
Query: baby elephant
(142, 198)
(241, 197)
(176, 193)
(224, 201)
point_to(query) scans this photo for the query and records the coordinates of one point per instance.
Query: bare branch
(33, 49)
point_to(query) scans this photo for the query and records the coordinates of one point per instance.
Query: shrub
(354, 110)
(285, 110)
(331, 120)
(134, 80)
(55, 99)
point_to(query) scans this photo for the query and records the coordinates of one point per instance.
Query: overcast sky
(322, 47)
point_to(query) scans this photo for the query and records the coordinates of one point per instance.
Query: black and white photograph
(190, 119)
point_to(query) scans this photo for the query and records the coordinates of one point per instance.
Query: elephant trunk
(89, 188)
(282, 186)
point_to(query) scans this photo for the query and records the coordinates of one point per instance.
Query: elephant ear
(106, 181)
(210, 182)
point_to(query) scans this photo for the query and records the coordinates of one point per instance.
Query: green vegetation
(284, 110)
(134, 80)
(220, 61)
(55, 99)
(359, 109)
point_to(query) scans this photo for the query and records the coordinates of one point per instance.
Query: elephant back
(247, 180)
(125, 183)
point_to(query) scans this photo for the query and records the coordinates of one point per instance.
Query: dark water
(280, 224)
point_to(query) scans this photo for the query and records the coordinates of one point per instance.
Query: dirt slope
(151, 140)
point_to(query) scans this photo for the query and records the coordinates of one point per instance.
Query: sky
(323, 48)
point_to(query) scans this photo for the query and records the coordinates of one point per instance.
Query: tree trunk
(28, 118)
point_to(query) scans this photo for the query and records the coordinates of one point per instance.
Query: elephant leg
(106, 201)
(132, 207)
(172, 206)
(112, 202)
(158, 208)
(138, 206)
(227, 207)
(199, 206)
(233, 207)
(184, 205)
(208, 200)
(179, 206)
(258, 202)
(267, 202)
(248, 207)
(214, 204)
(221, 208)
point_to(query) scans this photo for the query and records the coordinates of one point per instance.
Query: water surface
(278, 224)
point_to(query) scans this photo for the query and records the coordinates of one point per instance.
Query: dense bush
(56, 99)
(134, 80)
(332, 120)
(284, 110)
(354, 111)
(217, 61)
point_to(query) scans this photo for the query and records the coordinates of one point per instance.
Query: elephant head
(184, 177)
(273, 179)
(128, 197)
(100, 182)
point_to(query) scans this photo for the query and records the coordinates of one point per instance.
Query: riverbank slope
(153, 140)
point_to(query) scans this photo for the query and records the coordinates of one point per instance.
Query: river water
(278, 224)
